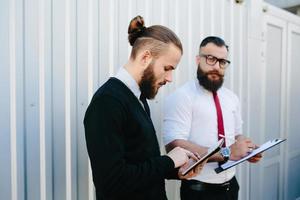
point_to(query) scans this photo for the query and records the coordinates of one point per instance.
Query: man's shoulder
(112, 87)
(187, 89)
(229, 93)
(111, 95)
(184, 93)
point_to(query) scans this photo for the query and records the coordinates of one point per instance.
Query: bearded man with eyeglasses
(200, 113)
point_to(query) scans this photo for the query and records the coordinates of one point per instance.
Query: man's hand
(193, 172)
(241, 148)
(255, 158)
(180, 156)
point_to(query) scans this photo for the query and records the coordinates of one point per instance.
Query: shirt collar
(124, 76)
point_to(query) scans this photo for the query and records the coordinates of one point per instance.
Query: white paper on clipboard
(262, 148)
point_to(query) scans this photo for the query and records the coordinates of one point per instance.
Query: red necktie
(221, 131)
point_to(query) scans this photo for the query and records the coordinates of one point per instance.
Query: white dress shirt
(190, 114)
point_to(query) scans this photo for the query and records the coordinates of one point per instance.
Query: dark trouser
(196, 190)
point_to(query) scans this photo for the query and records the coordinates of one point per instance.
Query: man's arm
(240, 148)
(193, 148)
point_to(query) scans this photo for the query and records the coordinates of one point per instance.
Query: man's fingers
(200, 167)
(255, 158)
(250, 150)
(192, 173)
(197, 155)
(191, 155)
(258, 155)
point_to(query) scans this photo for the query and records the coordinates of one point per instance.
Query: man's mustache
(214, 72)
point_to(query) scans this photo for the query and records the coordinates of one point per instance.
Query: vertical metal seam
(232, 42)
(67, 101)
(147, 12)
(212, 15)
(13, 114)
(162, 14)
(130, 13)
(241, 55)
(201, 22)
(41, 61)
(222, 18)
(287, 116)
(263, 92)
(240, 79)
(190, 36)
(90, 84)
(111, 39)
(284, 51)
(248, 93)
(90, 49)
(176, 82)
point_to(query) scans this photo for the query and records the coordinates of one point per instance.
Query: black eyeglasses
(212, 60)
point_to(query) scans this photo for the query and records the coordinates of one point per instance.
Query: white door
(267, 177)
(292, 150)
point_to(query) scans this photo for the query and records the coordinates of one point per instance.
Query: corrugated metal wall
(55, 53)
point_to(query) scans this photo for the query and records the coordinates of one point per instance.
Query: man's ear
(197, 59)
(146, 58)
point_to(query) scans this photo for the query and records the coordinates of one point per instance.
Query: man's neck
(134, 70)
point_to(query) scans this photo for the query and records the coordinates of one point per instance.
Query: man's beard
(211, 85)
(147, 84)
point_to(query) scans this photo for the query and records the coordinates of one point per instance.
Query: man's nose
(217, 65)
(169, 76)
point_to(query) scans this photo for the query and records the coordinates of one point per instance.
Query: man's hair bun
(136, 29)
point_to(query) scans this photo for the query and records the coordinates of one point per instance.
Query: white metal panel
(31, 100)
(271, 186)
(13, 109)
(45, 98)
(294, 95)
(41, 63)
(6, 145)
(253, 118)
(59, 56)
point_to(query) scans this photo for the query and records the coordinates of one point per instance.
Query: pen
(227, 138)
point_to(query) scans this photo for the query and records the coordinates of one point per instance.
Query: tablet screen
(211, 151)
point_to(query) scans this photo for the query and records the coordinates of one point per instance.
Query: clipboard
(269, 144)
(211, 151)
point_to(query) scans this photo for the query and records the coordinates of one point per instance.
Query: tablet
(211, 151)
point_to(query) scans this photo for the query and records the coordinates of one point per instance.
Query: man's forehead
(214, 50)
(172, 57)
